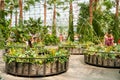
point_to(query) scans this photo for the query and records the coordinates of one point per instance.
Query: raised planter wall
(34, 69)
(97, 60)
(74, 50)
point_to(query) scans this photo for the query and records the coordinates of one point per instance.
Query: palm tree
(116, 25)
(55, 3)
(27, 4)
(70, 31)
(11, 5)
(54, 19)
(16, 6)
(91, 11)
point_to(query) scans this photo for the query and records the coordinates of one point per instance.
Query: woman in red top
(108, 39)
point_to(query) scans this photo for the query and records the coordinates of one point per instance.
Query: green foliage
(29, 3)
(111, 20)
(33, 25)
(20, 33)
(108, 3)
(23, 31)
(71, 29)
(4, 27)
(83, 17)
(35, 55)
(56, 4)
(43, 32)
(11, 5)
(116, 29)
(54, 29)
(51, 40)
(4, 32)
(101, 23)
(83, 27)
(2, 15)
(104, 51)
(97, 23)
(71, 32)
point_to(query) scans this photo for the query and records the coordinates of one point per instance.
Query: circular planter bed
(103, 56)
(97, 60)
(74, 49)
(40, 66)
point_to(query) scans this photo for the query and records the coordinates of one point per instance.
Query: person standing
(108, 39)
(61, 37)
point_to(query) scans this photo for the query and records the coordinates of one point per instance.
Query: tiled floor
(78, 70)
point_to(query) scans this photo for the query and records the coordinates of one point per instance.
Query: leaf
(65, 8)
(58, 14)
(49, 8)
(26, 8)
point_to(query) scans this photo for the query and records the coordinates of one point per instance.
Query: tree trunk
(21, 14)
(1, 4)
(116, 28)
(54, 21)
(91, 11)
(117, 9)
(45, 10)
(70, 31)
(30, 43)
(16, 14)
(1, 8)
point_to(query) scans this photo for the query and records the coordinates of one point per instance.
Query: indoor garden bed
(73, 48)
(36, 62)
(103, 56)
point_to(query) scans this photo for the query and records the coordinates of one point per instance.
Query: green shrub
(51, 40)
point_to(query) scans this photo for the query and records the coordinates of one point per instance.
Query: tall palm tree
(55, 3)
(45, 11)
(91, 11)
(11, 6)
(70, 31)
(116, 25)
(54, 19)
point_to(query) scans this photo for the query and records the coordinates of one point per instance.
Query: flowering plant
(35, 55)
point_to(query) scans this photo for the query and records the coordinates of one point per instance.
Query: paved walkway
(78, 70)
